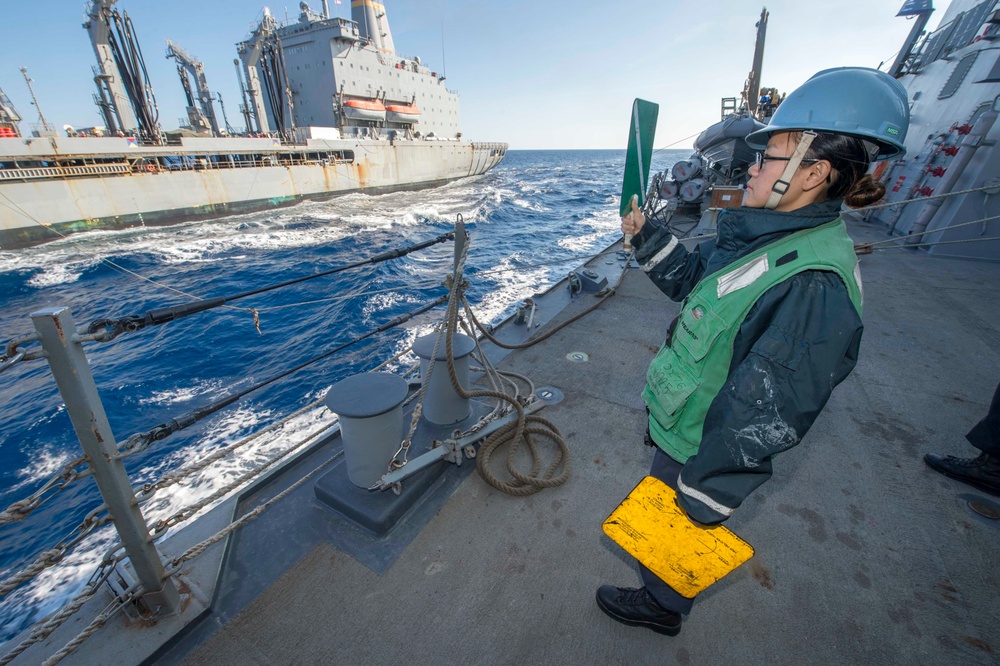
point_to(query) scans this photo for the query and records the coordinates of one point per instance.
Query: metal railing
(64, 171)
(149, 588)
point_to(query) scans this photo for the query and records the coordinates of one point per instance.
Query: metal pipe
(441, 452)
(76, 385)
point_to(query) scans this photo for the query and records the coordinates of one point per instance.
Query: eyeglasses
(760, 158)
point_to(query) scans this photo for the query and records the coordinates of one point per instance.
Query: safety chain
(43, 629)
(140, 441)
(55, 554)
(163, 525)
(133, 592)
(401, 456)
(106, 330)
(20, 509)
(200, 548)
(150, 489)
(13, 355)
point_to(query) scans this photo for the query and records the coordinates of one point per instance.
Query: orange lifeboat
(364, 109)
(402, 113)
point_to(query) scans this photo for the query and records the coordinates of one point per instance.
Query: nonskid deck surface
(863, 555)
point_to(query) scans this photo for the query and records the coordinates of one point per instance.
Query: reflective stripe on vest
(684, 377)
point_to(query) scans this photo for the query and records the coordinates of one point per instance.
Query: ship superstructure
(330, 72)
(941, 195)
(952, 76)
(330, 108)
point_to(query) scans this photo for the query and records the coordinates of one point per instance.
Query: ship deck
(863, 554)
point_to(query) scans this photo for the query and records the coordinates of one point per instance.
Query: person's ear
(817, 174)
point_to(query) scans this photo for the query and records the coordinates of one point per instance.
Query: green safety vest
(686, 374)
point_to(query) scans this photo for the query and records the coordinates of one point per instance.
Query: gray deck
(863, 555)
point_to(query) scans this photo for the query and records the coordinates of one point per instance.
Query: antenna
(444, 62)
(34, 100)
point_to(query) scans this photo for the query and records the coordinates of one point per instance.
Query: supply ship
(862, 554)
(329, 107)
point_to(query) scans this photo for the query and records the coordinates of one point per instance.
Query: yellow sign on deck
(654, 529)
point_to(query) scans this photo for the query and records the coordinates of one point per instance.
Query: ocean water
(536, 208)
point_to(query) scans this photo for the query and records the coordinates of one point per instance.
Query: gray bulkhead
(953, 84)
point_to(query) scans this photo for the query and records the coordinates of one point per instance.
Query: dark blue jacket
(796, 344)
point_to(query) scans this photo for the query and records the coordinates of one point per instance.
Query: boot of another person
(637, 608)
(982, 472)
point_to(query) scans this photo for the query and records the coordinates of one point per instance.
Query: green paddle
(640, 151)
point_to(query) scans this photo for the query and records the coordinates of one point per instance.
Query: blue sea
(534, 209)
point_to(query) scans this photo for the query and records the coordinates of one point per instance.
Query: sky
(534, 74)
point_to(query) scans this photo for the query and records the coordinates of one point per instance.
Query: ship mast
(34, 100)
(752, 90)
(922, 9)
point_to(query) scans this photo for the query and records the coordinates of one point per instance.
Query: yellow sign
(654, 529)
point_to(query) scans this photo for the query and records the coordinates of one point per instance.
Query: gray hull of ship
(39, 210)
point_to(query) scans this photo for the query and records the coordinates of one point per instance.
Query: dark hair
(849, 157)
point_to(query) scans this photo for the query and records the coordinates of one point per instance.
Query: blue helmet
(856, 101)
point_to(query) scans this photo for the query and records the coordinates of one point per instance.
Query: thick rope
(189, 511)
(42, 630)
(518, 431)
(513, 434)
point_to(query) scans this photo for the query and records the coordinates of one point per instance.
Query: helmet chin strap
(781, 185)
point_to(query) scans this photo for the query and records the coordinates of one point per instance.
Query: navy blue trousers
(665, 469)
(985, 435)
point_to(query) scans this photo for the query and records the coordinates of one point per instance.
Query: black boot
(637, 608)
(983, 471)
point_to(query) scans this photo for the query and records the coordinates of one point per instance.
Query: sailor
(982, 471)
(770, 320)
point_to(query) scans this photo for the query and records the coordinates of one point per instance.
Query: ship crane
(125, 95)
(201, 113)
(250, 52)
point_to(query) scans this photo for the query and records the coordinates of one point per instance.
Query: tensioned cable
(437, 282)
(140, 441)
(108, 329)
(676, 142)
